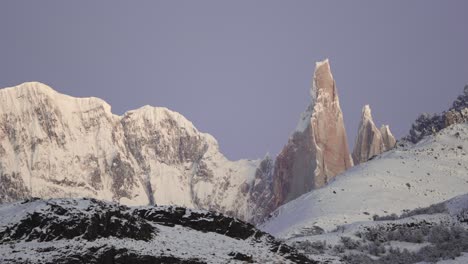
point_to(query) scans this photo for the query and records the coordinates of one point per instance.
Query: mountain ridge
(55, 145)
(406, 177)
(47, 137)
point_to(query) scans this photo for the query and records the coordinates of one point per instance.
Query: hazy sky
(241, 70)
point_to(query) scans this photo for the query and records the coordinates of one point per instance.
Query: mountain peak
(366, 113)
(323, 83)
(55, 145)
(318, 149)
(370, 140)
(324, 62)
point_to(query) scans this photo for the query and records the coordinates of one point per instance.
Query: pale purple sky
(241, 70)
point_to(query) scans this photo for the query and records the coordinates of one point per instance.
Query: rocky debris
(425, 125)
(454, 117)
(429, 124)
(93, 231)
(318, 149)
(370, 140)
(63, 220)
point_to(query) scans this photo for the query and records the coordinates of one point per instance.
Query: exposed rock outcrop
(387, 137)
(429, 124)
(370, 140)
(92, 231)
(318, 149)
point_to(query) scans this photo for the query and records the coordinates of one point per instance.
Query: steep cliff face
(318, 149)
(370, 140)
(388, 139)
(53, 145)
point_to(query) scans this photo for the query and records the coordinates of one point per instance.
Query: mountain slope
(92, 231)
(407, 177)
(438, 233)
(53, 145)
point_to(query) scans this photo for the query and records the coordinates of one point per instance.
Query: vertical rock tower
(318, 149)
(370, 140)
(387, 137)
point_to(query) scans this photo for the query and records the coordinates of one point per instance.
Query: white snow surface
(333, 238)
(366, 112)
(61, 146)
(408, 177)
(178, 241)
(463, 259)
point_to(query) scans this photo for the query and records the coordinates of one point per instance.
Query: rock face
(427, 124)
(318, 149)
(388, 139)
(92, 231)
(383, 186)
(370, 140)
(53, 145)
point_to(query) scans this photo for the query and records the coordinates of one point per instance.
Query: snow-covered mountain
(67, 231)
(407, 177)
(54, 145)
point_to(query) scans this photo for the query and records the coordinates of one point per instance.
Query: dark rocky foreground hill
(92, 231)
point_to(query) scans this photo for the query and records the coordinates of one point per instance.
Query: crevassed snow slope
(429, 172)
